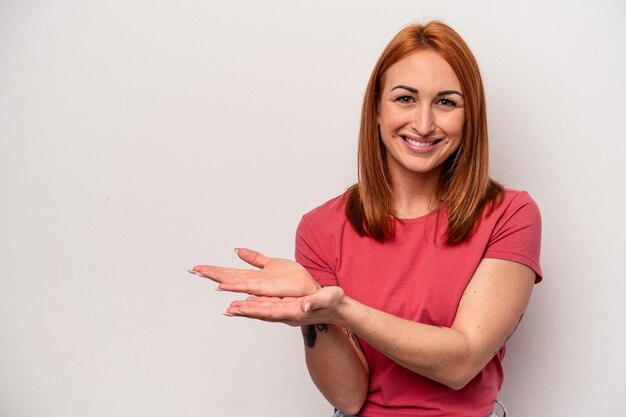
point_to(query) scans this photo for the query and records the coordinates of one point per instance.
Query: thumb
(323, 298)
(252, 257)
(307, 304)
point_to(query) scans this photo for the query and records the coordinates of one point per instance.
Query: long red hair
(464, 187)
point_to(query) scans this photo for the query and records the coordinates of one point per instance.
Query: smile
(420, 144)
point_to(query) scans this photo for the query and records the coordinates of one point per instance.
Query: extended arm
(336, 364)
(488, 313)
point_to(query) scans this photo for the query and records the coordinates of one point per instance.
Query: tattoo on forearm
(355, 339)
(509, 336)
(516, 326)
(309, 333)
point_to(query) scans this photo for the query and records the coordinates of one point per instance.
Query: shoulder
(323, 227)
(518, 196)
(330, 213)
(318, 237)
(514, 229)
(514, 203)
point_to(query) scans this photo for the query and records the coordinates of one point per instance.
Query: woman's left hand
(276, 278)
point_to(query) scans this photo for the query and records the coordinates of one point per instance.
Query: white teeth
(418, 144)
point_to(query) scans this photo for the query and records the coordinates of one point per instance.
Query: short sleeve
(309, 253)
(517, 234)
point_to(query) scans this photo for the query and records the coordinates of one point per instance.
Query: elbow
(460, 377)
(458, 384)
(352, 405)
(352, 410)
(458, 370)
(462, 367)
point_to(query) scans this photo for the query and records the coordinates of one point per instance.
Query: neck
(414, 195)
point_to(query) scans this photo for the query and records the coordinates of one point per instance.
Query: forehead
(425, 70)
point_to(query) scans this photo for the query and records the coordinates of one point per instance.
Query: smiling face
(421, 115)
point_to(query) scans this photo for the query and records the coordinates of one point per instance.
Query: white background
(138, 138)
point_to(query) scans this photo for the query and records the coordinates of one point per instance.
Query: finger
(233, 280)
(266, 311)
(253, 283)
(250, 286)
(259, 302)
(256, 302)
(308, 304)
(252, 257)
(220, 274)
(324, 298)
(263, 298)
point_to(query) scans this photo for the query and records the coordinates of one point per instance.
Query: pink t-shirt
(413, 277)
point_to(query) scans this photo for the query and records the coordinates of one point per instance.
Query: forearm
(335, 366)
(487, 315)
(454, 355)
(443, 354)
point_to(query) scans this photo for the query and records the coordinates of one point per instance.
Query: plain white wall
(138, 138)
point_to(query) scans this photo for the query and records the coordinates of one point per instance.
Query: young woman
(408, 285)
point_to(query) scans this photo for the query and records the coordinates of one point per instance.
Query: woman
(408, 286)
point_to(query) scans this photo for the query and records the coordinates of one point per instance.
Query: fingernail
(307, 307)
(218, 289)
(236, 250)
(191, 271)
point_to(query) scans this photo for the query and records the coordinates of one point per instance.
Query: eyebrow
(415, 90)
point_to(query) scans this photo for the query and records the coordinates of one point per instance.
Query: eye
(447, 102)
(404, 99)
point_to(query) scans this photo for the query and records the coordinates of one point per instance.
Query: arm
(335, 362)
(336, 367)
(489, 311)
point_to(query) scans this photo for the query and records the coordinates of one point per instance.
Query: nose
(424, 120)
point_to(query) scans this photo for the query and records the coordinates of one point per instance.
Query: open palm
(275, 278)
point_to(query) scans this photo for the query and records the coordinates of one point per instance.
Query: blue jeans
(339, 413)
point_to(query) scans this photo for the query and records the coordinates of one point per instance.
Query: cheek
(454, 125)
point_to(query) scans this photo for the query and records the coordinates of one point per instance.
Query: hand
(276, 278)
(321, 307)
